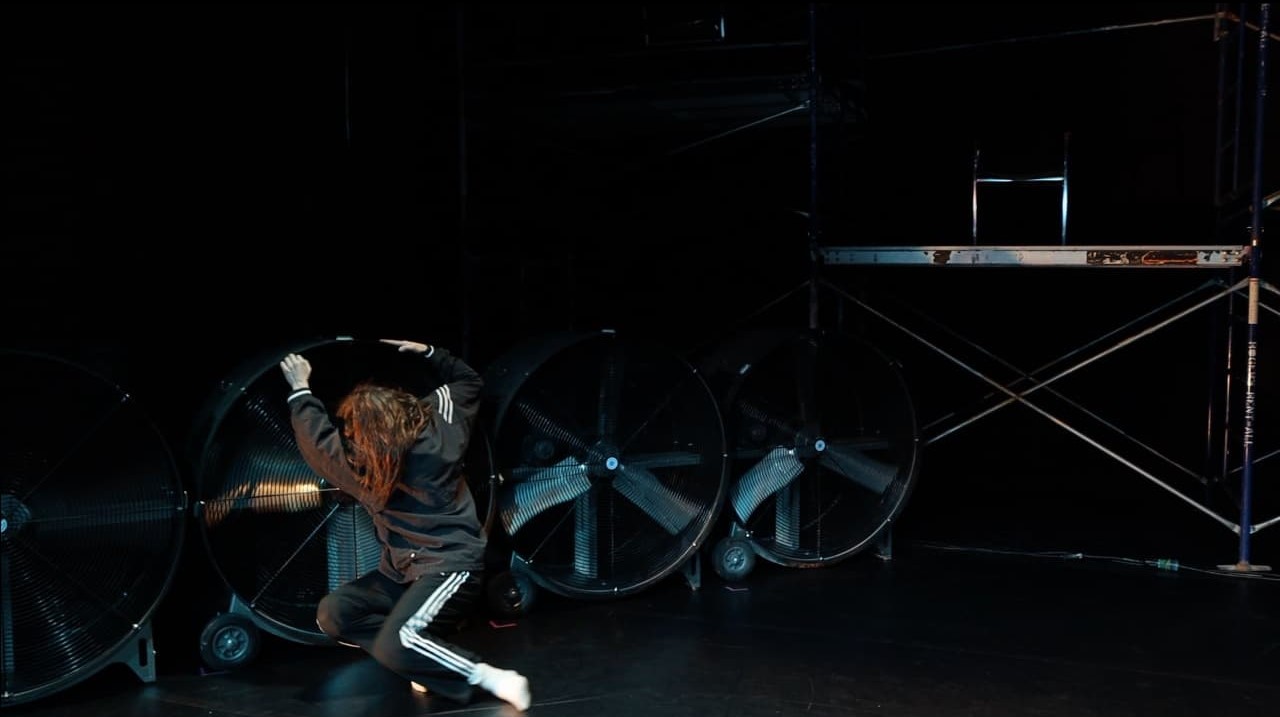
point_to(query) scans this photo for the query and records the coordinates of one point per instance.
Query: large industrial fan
(612, 458)
(278, 534)
(824, 446)
(92, 515)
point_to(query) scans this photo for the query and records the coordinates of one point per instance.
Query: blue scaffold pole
(1244, 562)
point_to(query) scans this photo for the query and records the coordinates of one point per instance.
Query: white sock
(507, 685)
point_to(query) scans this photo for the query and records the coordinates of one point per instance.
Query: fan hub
(14, 514)
(809, 446)
(604, 461)
(544, 449)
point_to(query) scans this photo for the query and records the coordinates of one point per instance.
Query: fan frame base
(139, 653)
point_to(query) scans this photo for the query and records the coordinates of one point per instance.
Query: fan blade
(667, 507)
(291, 564)
(7, 647)
(846, 459)
(806, 389)
(62, 581)
(351, 546)
(543, 488)
(544, 423)
(610, 394)
(270, 496)
(753, 411)
(139, 511)
(675, 459)
(585, 527)
(274, 461)
(774, 472)
(786, 518)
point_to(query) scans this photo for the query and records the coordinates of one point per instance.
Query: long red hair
(379, 425)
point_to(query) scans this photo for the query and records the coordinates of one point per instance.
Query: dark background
(189, 185)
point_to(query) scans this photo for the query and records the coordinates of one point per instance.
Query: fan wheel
(280, 537)
(92, 518)
(824, 443)
(613, 458)
(229, 641)
(733, 558)
(511, 594)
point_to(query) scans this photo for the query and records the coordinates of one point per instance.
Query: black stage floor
(935, 631)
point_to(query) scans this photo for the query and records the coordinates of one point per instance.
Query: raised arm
(318, 439)
(460, 393)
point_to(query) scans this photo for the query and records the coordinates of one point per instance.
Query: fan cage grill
(581, 527)
(860, 408)
(94, 518)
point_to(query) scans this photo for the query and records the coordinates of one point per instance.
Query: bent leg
(411, 641)
(355, 612)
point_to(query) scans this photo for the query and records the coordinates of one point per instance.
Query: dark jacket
(429, 522)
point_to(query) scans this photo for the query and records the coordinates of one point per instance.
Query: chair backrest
(1021, 167)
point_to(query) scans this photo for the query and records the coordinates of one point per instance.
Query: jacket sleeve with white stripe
(458, 398)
